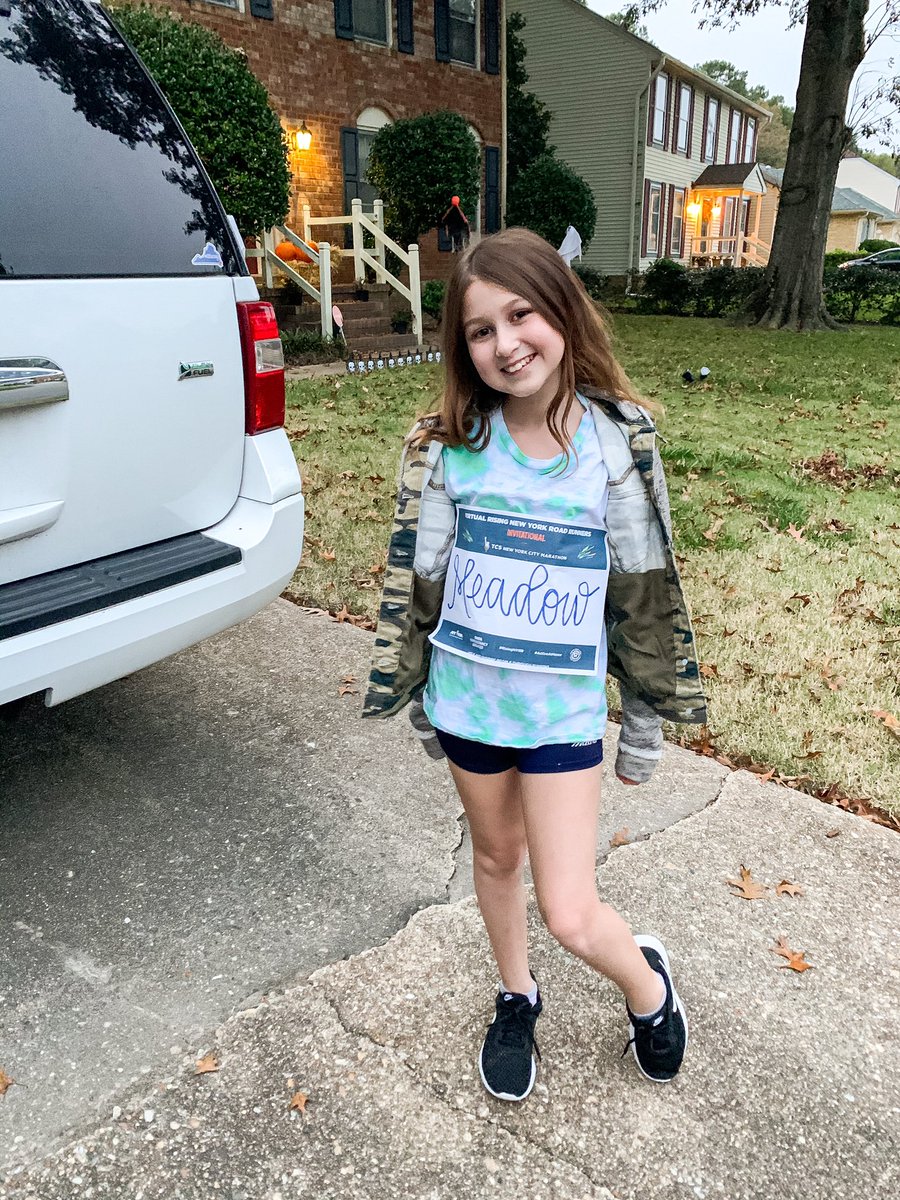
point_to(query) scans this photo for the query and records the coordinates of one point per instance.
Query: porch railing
(375, 257)
(270, 262)
(741, 250)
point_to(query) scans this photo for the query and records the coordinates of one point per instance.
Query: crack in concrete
(604, 856)
(397, 1056)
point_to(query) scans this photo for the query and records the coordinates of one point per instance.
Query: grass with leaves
(782, 469)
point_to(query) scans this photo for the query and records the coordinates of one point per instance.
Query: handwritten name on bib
(525, 593)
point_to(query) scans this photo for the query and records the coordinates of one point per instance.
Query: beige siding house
(854, 218)
(668, 153)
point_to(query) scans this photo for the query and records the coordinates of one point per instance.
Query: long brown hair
(521, 262)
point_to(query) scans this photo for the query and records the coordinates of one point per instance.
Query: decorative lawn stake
(456, 225)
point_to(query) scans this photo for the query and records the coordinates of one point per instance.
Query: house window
(653, 219)
(462, 31)
(685, 112)
(659, 110)
(226, 3)
(676, 223)
(711, 130)
(365, 19)
(750, 140)
(734, 136)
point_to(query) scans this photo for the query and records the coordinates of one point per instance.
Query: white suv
(149, 496)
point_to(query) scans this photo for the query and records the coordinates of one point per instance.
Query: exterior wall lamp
(716, 209)
(693, 209)
(303, 137)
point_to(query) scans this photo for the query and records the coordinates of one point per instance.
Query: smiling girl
(531, 554)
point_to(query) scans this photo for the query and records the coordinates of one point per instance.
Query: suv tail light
(263, 366)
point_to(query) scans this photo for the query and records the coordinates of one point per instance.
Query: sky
(761, 45)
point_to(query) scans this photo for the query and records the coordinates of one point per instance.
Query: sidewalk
(789, 1088)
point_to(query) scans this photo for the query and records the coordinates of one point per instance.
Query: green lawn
(783, 475)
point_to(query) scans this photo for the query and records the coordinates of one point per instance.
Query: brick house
(345, 68)
(669, 154)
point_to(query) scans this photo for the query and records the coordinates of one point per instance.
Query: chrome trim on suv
(27, 382)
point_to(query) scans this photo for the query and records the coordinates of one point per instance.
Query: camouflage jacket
(651, 650)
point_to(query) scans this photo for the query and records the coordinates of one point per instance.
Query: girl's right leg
(493, 805)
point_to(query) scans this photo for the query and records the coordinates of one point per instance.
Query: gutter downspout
(634, 257)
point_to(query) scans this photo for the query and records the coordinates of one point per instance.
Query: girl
(531, 553)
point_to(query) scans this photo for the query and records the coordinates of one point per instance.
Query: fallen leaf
(206, 1064)
(327, 555)
(804, 600)
(620, 837)
(746, 887)
(811, 754)
(5, 1082)
(343, 614)
(375, 478)
(710, 670)
(726, 632)
(346, 690)
(298, 1101)
(795, 533)
(713, 532)
(795, 958)
(767, 776)
(890, 722)
(831, 833)
(377, 569)
(349, 679)
(786, 888)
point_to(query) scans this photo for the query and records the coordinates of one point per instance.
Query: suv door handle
(26, 382)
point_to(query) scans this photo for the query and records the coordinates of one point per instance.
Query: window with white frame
(685, 112)
(654, 219)
(676, 226)
(227, 4)
(370, 20)
(750, 140)
(463, 39)
(660, 109)
(711, 130)
(734, 136)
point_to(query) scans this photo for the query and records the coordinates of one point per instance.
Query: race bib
(525, 594)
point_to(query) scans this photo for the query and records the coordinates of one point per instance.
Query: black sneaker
(506, 1062)
(659, 1041)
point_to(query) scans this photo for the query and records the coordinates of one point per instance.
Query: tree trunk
(791, 294)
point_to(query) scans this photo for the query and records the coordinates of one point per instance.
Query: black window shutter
(492, 37)
(343, 18)
(350, 161)
(262, 9)
(491, 189)
(405, 37)
(442, 30)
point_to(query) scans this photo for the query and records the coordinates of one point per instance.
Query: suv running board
(42, 600)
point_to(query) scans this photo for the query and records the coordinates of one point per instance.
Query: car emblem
(195, 370)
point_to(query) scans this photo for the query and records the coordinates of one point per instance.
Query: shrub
(667, 288)
(594, 282)
(224, 109)
(873, 245)
(547, 197)
(417, 165)
(433, 297)
(401, 320)
(720, 291)
(308, 345)
(846, 291)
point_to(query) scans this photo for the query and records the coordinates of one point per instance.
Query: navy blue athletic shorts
(481, 759)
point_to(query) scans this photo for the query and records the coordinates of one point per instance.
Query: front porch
(725, 215)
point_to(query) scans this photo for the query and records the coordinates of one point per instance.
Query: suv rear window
(98, 179)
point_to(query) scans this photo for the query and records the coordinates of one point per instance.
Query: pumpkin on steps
(288, 252)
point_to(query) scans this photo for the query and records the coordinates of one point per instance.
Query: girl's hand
(630, 782)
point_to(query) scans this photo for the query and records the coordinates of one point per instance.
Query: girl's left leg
(561, 813)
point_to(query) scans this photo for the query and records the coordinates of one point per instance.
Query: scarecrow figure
(456, 225)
